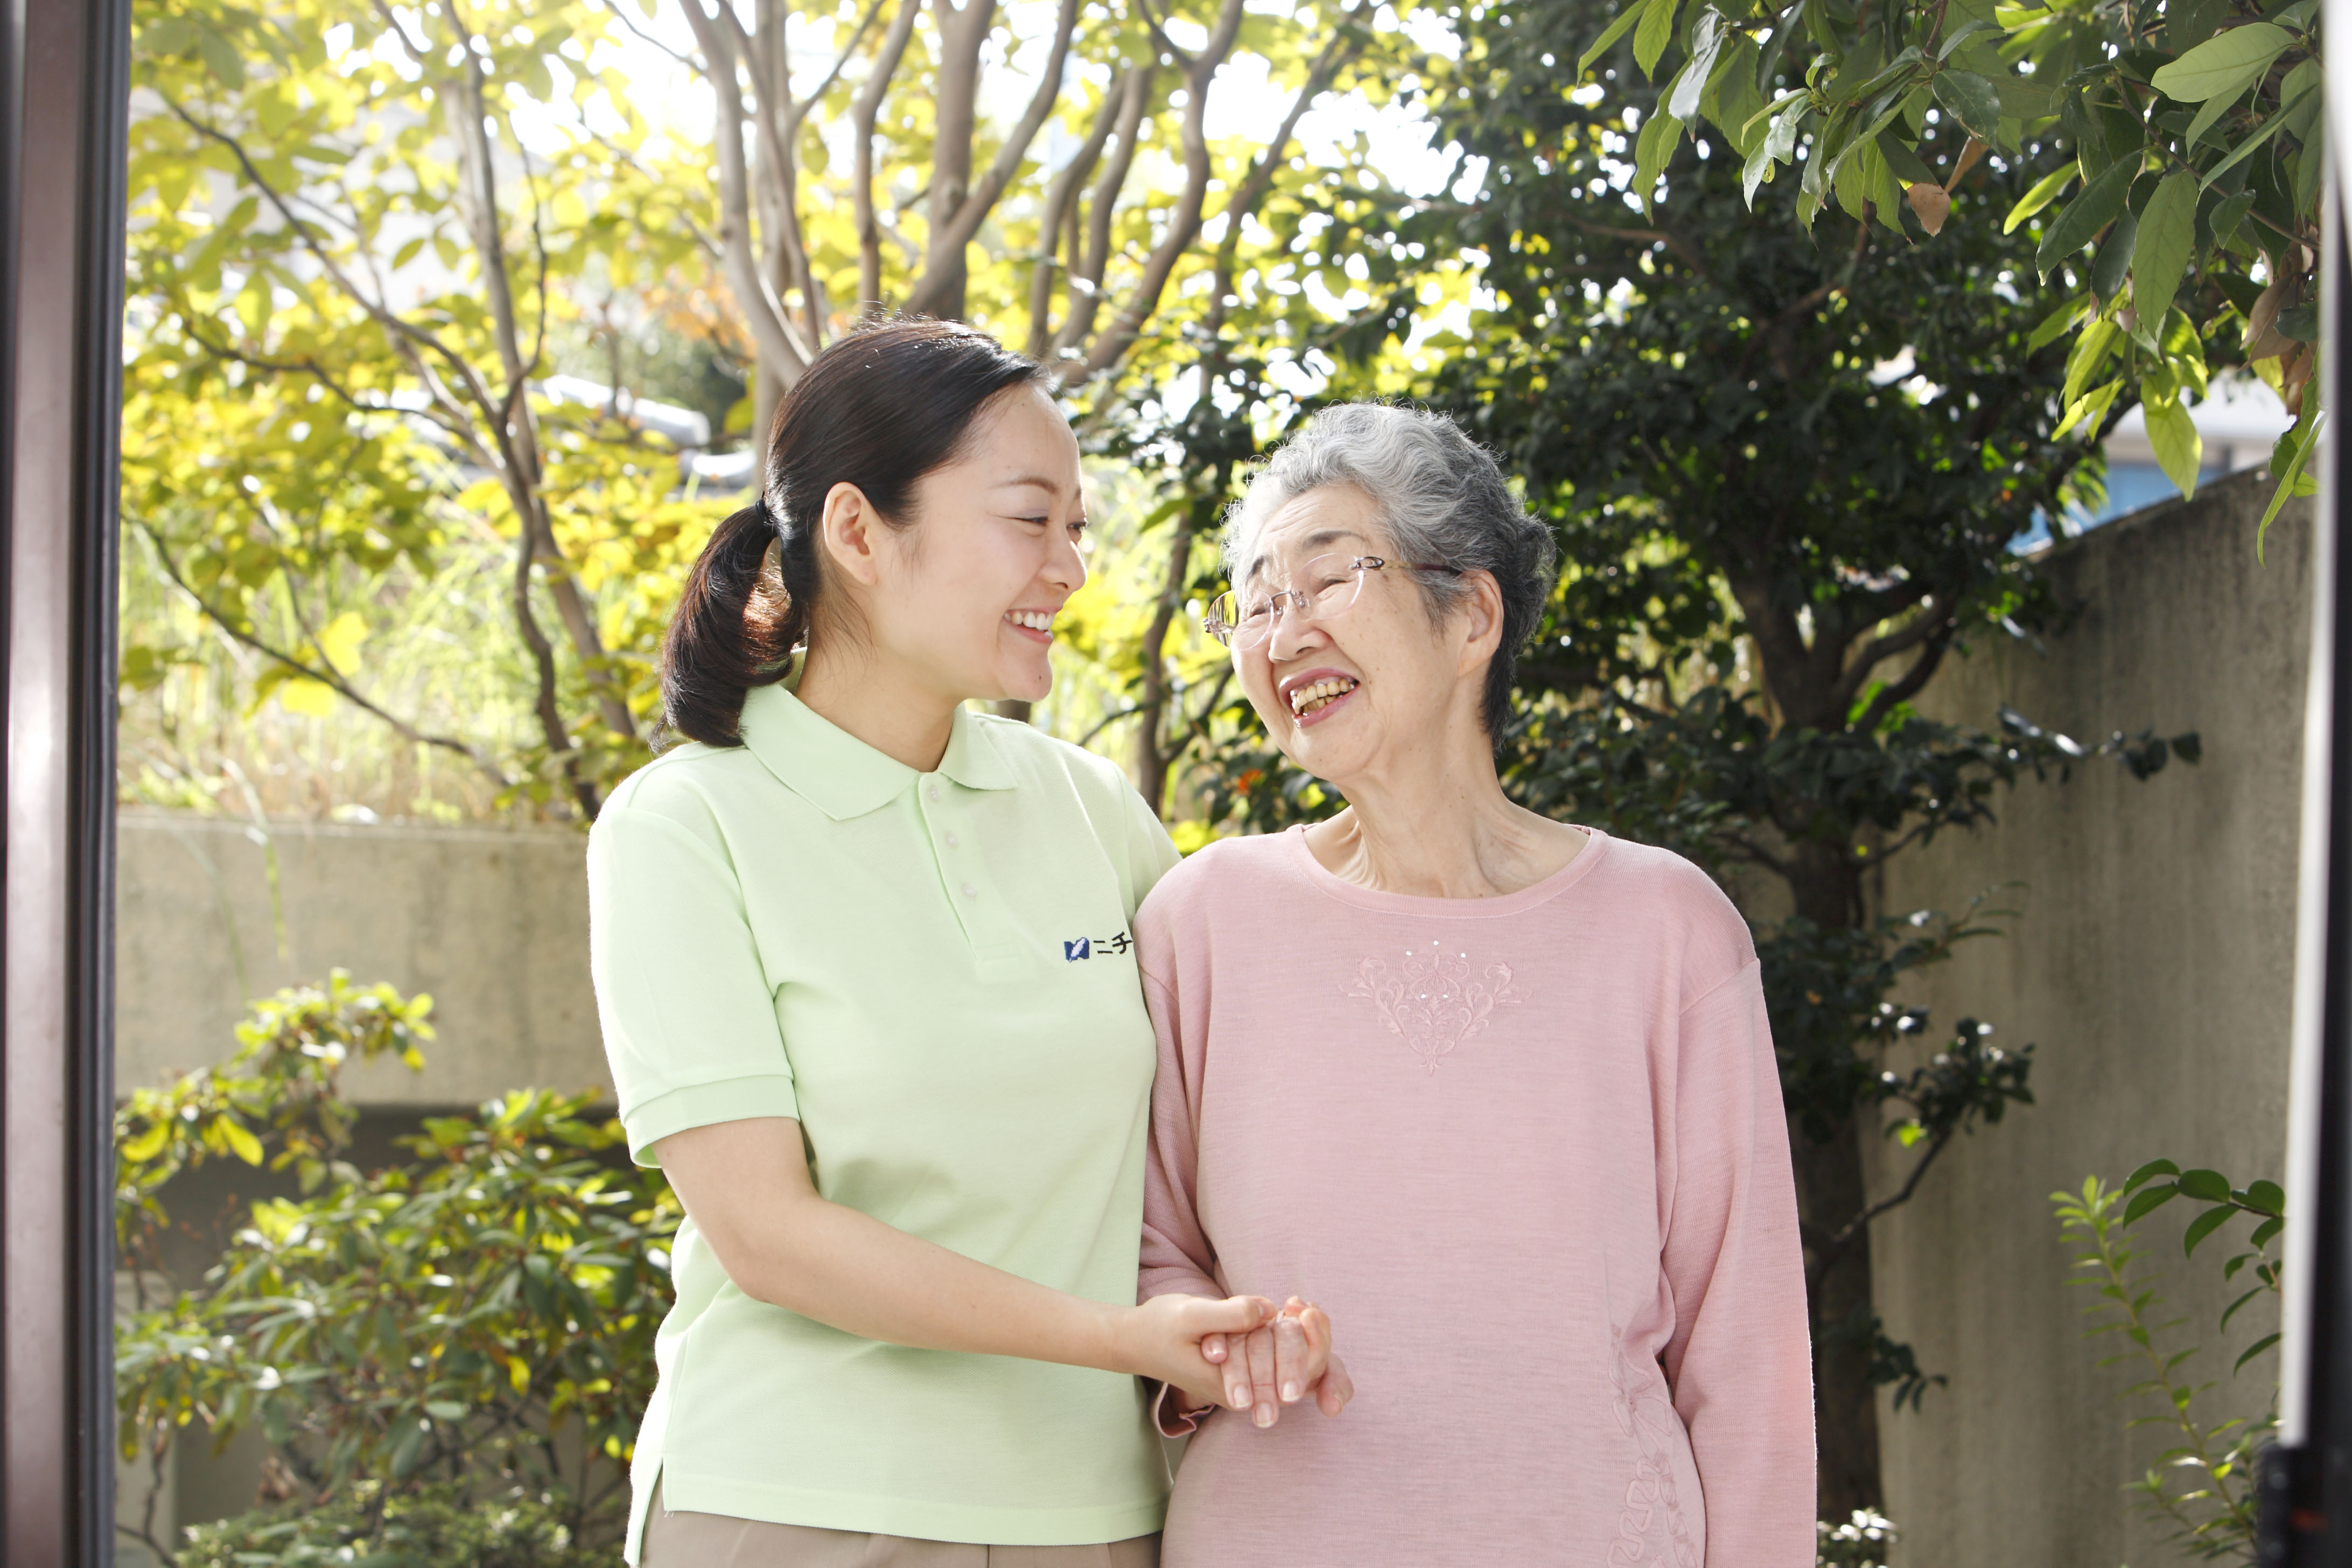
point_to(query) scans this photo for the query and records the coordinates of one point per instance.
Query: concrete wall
(492, 923)
(2152, 967)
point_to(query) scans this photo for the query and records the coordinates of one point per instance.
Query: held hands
(1240, 1354)
(1279, 1363)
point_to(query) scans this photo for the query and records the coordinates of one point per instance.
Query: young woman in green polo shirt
(863, 961)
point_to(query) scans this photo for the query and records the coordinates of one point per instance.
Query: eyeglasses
(1324, 588)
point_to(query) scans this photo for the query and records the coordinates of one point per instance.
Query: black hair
(880, 409)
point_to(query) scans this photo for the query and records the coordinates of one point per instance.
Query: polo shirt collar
(840, 774)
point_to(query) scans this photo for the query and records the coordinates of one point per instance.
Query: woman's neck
(1441, 829)
(878, 703)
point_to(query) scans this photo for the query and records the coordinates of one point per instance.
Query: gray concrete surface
(2151, 965)
(492, 923)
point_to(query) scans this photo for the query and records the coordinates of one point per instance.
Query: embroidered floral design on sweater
(1650, 1528)
(1434, 1005)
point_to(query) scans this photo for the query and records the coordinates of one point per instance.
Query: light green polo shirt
(935, 972)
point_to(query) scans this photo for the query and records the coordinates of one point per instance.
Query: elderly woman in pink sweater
(1440, 1053)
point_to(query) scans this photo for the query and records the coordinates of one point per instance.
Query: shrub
(477, 1322)
(2202, 1483)
(439, 1526)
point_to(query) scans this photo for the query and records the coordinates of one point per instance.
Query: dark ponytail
(880, 409)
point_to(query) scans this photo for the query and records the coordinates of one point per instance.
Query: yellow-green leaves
(2167, 232)
(2224, 65)
(1650, 38)
(1708, 36)
(2173, 434)
(2045, 191)
(1661, 134)
(1972, 99)
(1633, 12)
(2101, 203)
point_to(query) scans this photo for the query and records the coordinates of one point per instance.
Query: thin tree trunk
(1151, 757)
(468, 112)
(1831, 1191)
(1183, 223)
(950, 240)
(956, 106)
(862, 113)
(1086, 269)
(1061, 200)
(763, 309)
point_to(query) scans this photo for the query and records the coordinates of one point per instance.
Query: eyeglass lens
(1323, 586)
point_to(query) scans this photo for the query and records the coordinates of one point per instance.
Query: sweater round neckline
(1338, 887)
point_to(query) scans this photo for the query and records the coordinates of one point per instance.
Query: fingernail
(1264, 1416)
(1241, 1399)
(1290, 1394)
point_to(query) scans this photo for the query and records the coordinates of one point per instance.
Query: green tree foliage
(2202, 1482)
(479, 1317)
(280, 1087)
(1786, 465)
(442, 1525)
(1785, 468)
(1095, 261)
(363, 237)
(2183, 219)
(346, 259)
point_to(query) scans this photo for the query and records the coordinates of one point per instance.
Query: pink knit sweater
(1528, 1152)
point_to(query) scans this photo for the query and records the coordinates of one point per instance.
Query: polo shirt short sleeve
(935, 975)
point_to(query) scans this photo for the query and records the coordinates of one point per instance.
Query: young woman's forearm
(850, 1271)
(747, 1185)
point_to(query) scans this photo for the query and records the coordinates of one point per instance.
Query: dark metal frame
(63, 105)
(64, 100)
(2305, 1495)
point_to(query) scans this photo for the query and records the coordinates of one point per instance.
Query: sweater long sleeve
(1530, 1154)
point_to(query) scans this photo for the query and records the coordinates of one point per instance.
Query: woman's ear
(846, 530)
(1480, 619)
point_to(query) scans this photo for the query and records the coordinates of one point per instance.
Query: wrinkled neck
(1435, 824)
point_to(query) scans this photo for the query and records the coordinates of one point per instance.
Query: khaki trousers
(716, 1541)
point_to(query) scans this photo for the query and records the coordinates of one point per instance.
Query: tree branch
(1160, 36)
(1861, 1222)
(1913, 681)
(1878, 649)
(1345, 44)
(1667, 237)
(771, 331)
(1058, 199)
(800, 110)
(1184, 223)
(309, 671)
(1087, 270)
(862, 113)
(983, 198)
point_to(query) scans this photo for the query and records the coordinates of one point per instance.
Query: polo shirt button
(953, 841)
(969, 891)
(932, 794)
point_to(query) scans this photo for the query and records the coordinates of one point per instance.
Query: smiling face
(964, 602)
(1346, 694)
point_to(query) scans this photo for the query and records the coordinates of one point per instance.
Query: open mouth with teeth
(1317, 695)
(1038, 624)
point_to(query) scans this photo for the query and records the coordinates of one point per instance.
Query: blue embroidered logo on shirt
(1086, 947)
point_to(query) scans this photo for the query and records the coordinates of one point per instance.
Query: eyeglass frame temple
(1211, 624)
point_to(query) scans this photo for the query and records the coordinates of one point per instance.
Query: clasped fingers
(1282, 1362)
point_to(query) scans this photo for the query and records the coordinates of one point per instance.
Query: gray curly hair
(1444, 501)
